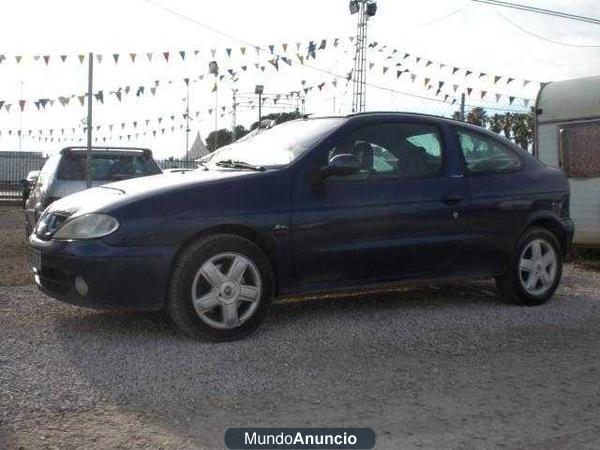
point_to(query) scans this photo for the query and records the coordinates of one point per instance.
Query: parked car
(65, 173)
(28, 183)
(311, 205)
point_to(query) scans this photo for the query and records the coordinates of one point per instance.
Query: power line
(524, 30)
(318, 69)
(540, 11)
(444, 17)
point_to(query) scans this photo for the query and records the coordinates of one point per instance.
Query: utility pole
(21, 120)
(213, 67)
(88, 162)
(259, 89)
(462, 107)
(259, 108)
(187, 122)
(234, 116)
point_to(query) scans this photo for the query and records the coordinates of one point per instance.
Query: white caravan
(567, 135)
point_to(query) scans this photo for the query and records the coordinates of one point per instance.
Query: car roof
(109, 150)
(392, 114)
(429, 117)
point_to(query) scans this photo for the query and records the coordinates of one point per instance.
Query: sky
(456, 33)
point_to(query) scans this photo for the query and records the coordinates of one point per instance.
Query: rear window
(106, 167)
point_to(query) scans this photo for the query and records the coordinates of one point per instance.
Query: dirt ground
(13, 265)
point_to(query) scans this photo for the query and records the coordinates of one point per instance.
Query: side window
(393, 150)
(483, 154)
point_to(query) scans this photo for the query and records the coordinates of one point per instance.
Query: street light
(259, 90)
(365, 10)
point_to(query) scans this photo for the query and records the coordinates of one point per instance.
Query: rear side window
(108, 167)
(579, 153)
(486, 155)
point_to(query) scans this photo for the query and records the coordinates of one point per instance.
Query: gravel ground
(446, 367)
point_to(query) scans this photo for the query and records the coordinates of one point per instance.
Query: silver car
(65, 173)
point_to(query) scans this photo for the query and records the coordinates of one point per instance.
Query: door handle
(451, 199)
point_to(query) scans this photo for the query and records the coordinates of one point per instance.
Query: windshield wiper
(239, 165)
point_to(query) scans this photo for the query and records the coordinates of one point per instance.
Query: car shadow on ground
(293, 309)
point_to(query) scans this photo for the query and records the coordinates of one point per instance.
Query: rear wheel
(535, 269)
(220, 289)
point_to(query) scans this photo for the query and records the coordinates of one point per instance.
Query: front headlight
(88, 226)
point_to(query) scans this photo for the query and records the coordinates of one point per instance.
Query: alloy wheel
(226, 290)
(538, 267)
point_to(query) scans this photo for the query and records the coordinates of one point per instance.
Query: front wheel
(535, 269)
(220, 289)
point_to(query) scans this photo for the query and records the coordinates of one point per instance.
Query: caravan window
(579, 149)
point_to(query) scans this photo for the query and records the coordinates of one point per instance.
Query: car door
(500, 202)
(399, 216)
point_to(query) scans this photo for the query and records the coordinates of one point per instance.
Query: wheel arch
(554, 226)
(261, 240)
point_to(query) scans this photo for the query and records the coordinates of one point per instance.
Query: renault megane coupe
(311, 205)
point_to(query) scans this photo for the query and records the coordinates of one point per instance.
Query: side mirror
(342, 165)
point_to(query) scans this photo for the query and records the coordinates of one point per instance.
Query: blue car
(311, 205)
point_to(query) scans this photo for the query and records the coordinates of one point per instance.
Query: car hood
(112, 194)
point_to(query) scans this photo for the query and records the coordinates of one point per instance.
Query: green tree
(508, 124)
(477, 116)
(456, 115)
(523, 129)
(496, 123)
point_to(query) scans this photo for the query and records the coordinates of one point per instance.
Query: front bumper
(133, 278)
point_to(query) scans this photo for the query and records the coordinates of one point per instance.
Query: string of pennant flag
(312, 48)
(159, 124)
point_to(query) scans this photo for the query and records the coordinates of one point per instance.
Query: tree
(456, 115)
(518, 127)
(279, 118)
(523, 129)
(507, 125)
(496, 123)
(239, 132)
(223, 137)
(477, 116)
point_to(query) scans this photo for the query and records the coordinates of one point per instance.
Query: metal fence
(14, 167)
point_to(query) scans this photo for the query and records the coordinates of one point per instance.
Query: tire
(516, 286)
(219, 293)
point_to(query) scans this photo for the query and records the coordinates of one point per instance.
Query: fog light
(81, 286)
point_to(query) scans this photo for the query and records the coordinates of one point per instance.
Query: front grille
(48, 224)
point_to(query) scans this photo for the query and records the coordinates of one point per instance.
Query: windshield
(280, 145)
